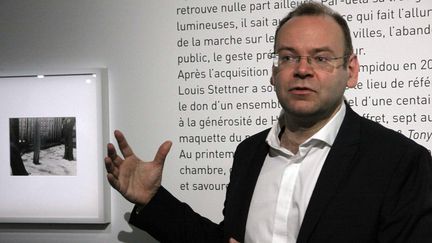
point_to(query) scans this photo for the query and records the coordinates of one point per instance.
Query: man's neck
(291, 139)
(297, 131)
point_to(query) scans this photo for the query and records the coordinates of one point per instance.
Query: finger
(111, 151)
(162, 152)
(108, 164)
(233, 241)
(112, 155)
(111, 167)
(125, 149)
(113, 181)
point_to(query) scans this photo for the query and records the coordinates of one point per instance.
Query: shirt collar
(326, 134)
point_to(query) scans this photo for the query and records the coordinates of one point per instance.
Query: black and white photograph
(51, 146)
(43, 146)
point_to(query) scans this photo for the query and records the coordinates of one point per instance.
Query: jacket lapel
(244, 185)
(335, 168)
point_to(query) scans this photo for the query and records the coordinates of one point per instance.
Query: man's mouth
(301, 90)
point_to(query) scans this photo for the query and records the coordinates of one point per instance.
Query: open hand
(136, 180)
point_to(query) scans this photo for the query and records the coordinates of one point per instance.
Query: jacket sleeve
(169, 220)
(407, 211)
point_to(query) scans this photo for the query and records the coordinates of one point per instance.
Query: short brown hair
(316, 9)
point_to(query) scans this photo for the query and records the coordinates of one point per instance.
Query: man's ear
(353, 71)
(274, 71)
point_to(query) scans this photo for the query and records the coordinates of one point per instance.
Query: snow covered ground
(51, 162)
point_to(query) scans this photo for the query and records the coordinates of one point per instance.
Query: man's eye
(287, 58)
(321, 59)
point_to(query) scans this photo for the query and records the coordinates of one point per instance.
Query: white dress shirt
(286, 183)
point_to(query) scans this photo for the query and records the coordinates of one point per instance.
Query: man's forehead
(313, 21)
(318, 31)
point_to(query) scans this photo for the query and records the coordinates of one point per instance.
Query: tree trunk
(16, 161)
(68, 125)
(36, 141)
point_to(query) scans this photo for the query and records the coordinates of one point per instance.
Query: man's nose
(303, 67)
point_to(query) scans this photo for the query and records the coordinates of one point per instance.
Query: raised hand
(137, 180)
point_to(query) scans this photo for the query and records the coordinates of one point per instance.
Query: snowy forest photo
(43, 146)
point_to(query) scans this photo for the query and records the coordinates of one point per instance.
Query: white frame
(83, 198)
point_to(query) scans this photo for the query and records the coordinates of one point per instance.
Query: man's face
(306, 91)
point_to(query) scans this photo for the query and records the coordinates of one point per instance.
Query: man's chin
(301, 110)
(308, 112)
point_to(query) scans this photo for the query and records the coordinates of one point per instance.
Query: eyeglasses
(320, 62)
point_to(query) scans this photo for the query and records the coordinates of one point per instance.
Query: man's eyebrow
(323, 49)
(285, 49)
(314, 50)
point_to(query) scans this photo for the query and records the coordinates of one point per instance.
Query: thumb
(162, 152)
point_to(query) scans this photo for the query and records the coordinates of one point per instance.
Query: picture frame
(62, 120)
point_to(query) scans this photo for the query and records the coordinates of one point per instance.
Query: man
(322, 174)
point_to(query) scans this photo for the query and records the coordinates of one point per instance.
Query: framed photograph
(53, 131)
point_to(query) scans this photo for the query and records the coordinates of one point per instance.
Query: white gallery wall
(197, 73)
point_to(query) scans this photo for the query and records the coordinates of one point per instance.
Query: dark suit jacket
(375, 186)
